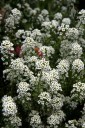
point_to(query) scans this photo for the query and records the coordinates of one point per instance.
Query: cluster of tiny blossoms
(9, 107)
(35, 119)
(18, 71)
(24, 90)
(10, 111)
(13, 19)
(78, 92)
(44, 79)
(63, 67)
(75, 50)
(7, 51)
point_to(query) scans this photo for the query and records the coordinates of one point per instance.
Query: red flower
(36, 49)
(18, 50)
(40, 54)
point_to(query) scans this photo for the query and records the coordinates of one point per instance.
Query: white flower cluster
(47, 50)
(50, 76)
(75, 50)
(33, 59)
(66, 21)
(82, 42)
(64, 48)
(36, 35)
(44, 98)
(58, 16)
(15, 121)
(45, 37)
(23, 90)
(55, 119)
(49, 25)
(33, 81)
(72, 33)
(57, 102)
(6, 51)
(82, 119)
(73, 104)
(77, 65)
(43, 16)
(83, 125)
(10, 111)
(64, 25)
(62, 28)
(35, 120)
(78, 92)
(17, 14)
(19, 33)
(17, 64)
(71, 124)
(28, 46)
(42, 64)
(9, 107)
(18, 70)
(30, 61)
(55, 87)
(13, 19)
(82, 16)
(63, 67)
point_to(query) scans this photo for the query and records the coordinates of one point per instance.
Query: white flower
(54, 23)
(47, 25)
(9, 107)
(47, 50)
(82, 11)
(33, 59)
(50, 76)
(82, 16)
(15, 121)
(72, 33)
(78, 92)
(76, 50)
(28, 46)
(55, 87)
(44, 12)
(7, 51)
(63, 67)
(6, 45)
(55, 119)
(19, 33)
(42, 64)
(77, 65)
(23, 89)
(66, 21)
(83, 125)
(15, 11)
(18, 70)
(44, 98)
(13, 19)
(71, 124)
(16, 14)
(35, 120)
(10, 23)
(58, 16)
(57, 102)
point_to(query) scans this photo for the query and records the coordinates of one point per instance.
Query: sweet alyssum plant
(43, 57)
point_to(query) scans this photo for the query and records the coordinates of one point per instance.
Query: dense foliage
(43, 64)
